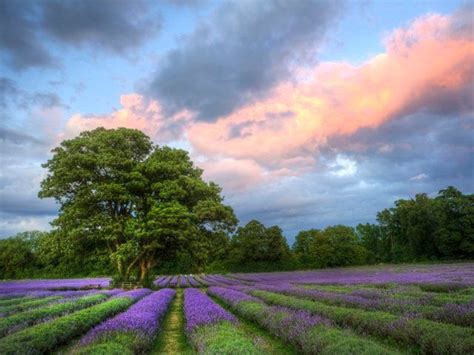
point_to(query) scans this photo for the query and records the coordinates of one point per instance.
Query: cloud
(339, 99)
(244, 49)
(343, 166)
(10, 94)
(20, 43)
(17, 137)
(419, 177)
(112, 25)
(29, 28)
(136, 112)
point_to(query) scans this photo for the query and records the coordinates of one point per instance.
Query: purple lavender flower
(200, 310)
(142, 318)
(193, 282)
(162, 281)
(23, 286)
(460, 314)
(183, 281)
(174, 281)
(231, 296)
(133, 294)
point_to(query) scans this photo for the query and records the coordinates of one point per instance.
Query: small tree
(141, 202)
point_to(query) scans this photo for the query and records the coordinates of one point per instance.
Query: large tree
(142, 202)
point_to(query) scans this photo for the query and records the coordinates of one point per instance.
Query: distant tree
(17, 257)
(372, 239)
(338, 246)
(429, 228)
(255, 243)
(142, 203)
(302, 245)
(454, 235)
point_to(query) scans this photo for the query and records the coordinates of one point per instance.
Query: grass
(172, 339)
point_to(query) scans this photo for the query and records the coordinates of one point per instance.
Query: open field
(406, 309)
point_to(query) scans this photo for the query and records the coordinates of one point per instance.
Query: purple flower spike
(142, 318)
(200, 310)
(134, 294)
(233, 297)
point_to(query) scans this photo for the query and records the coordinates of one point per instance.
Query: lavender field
(427, 309)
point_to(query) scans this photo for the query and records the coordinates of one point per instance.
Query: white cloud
(419, 177)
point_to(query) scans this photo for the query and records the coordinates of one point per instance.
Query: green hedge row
(46, 337)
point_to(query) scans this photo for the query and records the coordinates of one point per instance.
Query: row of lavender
(125, 322)
(421, 321)
(444, 275)
(182, 281)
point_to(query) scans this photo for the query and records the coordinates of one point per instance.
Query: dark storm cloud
(107, 25)
(437, 146)
(20, 44)
(114, 25)
(242, 51)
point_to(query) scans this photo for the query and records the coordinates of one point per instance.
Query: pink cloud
(136, 112)
(423, 63)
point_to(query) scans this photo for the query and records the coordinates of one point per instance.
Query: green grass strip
(46, 337)
(23, 306)
(223, 338)
(24, 319)
(172, 338)
(431, 337)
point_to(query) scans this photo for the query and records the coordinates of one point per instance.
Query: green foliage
(422, 228)
(223, 338)
(116, 343)
(140, 203)
(14, 300)
(17, 257)
(256, 243)
(24, 319)
(45, 337)
(20, 307)
(333, 246)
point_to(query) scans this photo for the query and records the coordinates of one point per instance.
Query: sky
(307, 113)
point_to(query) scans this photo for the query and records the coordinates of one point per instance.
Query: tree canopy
(142, 202)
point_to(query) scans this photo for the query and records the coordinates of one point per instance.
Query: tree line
(132, 209)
